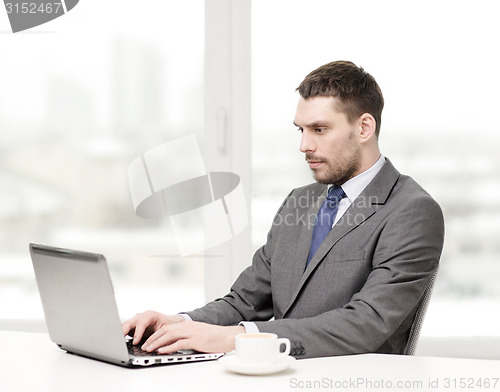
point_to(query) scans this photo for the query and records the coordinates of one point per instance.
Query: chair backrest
(411, 345)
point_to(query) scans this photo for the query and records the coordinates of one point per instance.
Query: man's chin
(320, 179)
(328, 179)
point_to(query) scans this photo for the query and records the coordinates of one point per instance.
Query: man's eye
(300, 130)
(319, 130)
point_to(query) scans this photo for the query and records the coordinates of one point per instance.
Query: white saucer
(232, 363)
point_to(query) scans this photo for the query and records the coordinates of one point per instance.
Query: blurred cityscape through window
(76, 107)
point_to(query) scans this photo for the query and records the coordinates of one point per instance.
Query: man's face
(329, 141)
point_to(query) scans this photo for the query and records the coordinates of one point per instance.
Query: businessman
(347, 259)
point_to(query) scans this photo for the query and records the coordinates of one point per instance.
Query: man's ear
(367, 125)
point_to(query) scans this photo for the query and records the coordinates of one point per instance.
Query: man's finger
(158, 339)
(139, 325)
(139, 332)
(182, 344)
(165, 336)
(126, 327)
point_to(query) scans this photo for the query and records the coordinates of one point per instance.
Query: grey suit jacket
(362, 288)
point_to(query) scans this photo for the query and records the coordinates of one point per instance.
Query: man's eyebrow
(314, 124)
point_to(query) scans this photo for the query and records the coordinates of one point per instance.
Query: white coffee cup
(258, 348)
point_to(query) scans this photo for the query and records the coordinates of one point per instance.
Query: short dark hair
(356, 90)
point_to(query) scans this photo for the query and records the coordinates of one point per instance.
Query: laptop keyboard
(138, 352)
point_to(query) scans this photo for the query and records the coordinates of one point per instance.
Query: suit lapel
(366, 204)
(305, 236)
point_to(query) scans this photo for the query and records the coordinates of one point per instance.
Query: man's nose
(306, 143)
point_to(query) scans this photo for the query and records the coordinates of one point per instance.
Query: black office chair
(411, 345)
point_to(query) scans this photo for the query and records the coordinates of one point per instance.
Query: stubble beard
(347, 166)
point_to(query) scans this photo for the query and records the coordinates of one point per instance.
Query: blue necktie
(325, 218)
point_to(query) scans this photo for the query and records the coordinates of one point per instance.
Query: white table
(31, 362)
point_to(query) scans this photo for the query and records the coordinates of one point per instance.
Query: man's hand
(193, 335)
(147, 323)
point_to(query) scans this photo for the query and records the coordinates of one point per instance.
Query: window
(81, 97)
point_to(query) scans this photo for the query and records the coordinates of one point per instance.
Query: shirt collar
(356, 185)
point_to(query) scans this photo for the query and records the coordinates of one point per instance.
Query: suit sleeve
(250, 297)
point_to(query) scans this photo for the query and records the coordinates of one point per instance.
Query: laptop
(80, 310)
